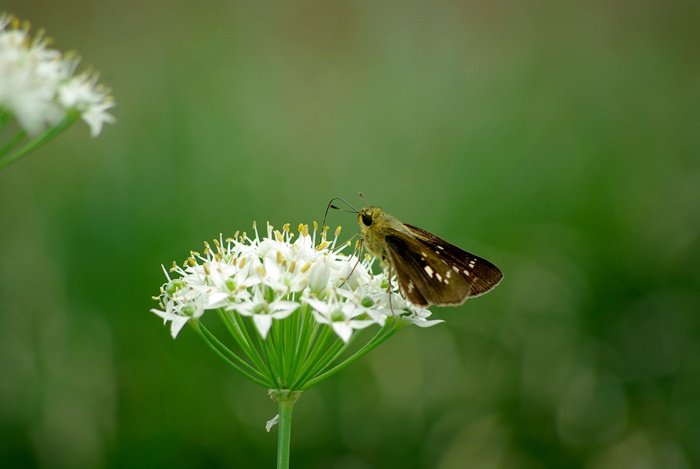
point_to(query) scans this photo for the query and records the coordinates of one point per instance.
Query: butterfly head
(374, 220)
(368, 217)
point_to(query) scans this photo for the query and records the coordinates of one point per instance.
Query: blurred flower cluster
(41, 91)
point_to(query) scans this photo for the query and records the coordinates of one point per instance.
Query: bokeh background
(561, 140)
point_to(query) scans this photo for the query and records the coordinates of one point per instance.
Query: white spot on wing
(429, 271)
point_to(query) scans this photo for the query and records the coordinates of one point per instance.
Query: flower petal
(262, 322)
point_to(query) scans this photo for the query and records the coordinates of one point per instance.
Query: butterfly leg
(390, 290)
(357, 252)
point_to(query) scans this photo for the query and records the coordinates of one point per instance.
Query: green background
(560, 140)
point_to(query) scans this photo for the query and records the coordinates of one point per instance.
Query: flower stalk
(285, 400)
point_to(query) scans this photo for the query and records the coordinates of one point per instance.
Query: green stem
(308, 331)
(67, 121)
(232, 356)
(331, 353)
(19, 136)
(236, 366)
(248, 343)
(286, 400)
(4, 119)
(270, 356)
(241, 338)
(384, 333)
(314, 356)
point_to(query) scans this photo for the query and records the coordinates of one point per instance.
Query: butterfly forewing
(433, 271)
(482, 275)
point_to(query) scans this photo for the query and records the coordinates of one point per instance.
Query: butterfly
(430, 270)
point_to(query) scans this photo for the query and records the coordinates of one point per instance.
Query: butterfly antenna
(335, 207)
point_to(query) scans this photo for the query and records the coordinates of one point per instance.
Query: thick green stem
(286, 400)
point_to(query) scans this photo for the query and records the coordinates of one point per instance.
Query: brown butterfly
(430, 270)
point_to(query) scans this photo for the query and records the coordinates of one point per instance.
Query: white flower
(181, 308)
(419, 317)
(37, 85)
(341, 315)
(274, 277)
(29, 77)
(263, 310)
(83, 94)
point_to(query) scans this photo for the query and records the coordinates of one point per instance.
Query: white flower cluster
(38, 86)
(275, 277)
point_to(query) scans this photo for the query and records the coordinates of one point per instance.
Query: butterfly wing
(483, 276)
(432, 271)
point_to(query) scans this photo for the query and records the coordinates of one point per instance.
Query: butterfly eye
(367, 219)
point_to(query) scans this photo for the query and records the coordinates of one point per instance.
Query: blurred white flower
(274, 277)
(38, 86)
(92, 100)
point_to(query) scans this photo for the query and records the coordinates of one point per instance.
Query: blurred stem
(12, 143)
(286, 400)
(4, 118)
(67, 121)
